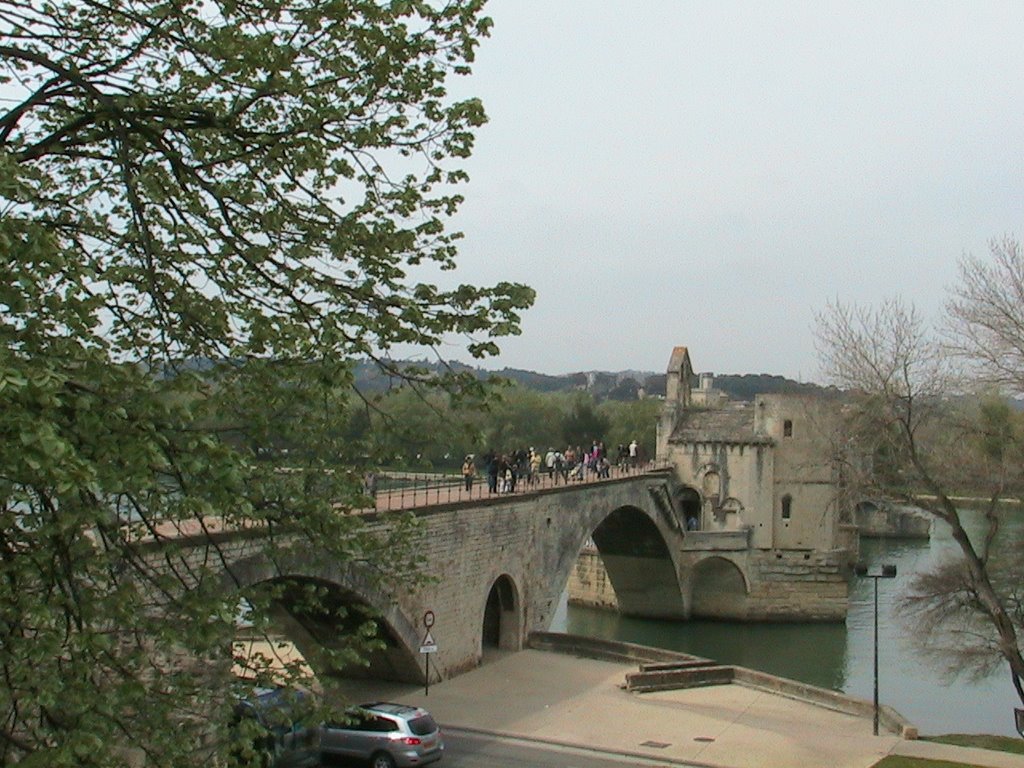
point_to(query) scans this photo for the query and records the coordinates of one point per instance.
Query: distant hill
(603, 385)
(746, 386)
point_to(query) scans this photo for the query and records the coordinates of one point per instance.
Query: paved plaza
(560, 699)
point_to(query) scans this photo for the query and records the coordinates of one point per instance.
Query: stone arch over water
(639, 564)
(719, 589)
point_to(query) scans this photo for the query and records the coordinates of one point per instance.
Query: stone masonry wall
(530, 541)
(793, 585)
(533, 542)
(589, 584)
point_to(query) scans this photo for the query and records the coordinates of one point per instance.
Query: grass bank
(996, 743)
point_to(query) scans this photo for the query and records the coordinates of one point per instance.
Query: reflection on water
(781, 649)
(839, 656)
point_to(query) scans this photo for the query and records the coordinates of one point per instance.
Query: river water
(839, 656)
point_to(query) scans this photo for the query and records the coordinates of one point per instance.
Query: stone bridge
(499, 566)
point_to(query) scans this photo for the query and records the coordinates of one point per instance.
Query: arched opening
(323, 626)
(638, 565)
(689, 503)
(719, 590)
(501, 617)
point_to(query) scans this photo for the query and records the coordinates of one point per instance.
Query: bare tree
(986, 314)
(912, 434)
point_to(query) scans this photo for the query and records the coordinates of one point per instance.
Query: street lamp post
(881, 572)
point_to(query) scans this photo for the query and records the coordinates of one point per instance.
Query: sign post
(427, 647)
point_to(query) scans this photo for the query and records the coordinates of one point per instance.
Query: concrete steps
(664, 676)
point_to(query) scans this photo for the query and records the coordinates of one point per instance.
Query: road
(470, 750)
(464, 749)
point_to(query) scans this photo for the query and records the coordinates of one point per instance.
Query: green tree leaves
(208, 210)
(221, 173)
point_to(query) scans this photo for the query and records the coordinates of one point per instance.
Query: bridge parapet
(415, 491)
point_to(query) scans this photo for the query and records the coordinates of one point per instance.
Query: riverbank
(839, 656)
(580, 702)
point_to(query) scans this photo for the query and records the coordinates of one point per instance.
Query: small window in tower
(787, 506)
(787, 428)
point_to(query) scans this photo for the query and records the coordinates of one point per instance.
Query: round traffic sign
(428, 619)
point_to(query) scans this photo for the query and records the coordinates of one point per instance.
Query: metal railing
(408, 490)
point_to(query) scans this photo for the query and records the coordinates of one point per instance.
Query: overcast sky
(712, 173)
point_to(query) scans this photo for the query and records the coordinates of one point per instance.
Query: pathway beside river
(559, 699)
(837, 655)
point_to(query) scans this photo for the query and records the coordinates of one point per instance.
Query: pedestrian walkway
(560, 699)
(416, 490)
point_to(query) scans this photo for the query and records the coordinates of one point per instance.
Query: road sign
(428, 645)
(428, 619)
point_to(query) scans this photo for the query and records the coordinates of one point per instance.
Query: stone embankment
(885, 519)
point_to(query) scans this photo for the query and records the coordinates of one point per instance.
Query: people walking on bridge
(633, 454)
(507, 469)
(560, 470)
(570, 461)
(469, 472)
(370, 484)
(535, 460)
(549, 463)
(521, 466)
(578, 463)
(491, 461)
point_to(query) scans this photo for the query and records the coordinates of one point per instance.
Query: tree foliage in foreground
(207, 208)
(928, 421)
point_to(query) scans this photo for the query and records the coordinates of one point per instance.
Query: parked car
(388, 735)
(282, 739)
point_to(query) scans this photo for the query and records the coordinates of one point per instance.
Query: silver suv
(270, 719)
(388, 735)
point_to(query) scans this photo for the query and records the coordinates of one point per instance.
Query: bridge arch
(718, 589)
(640, 565)
(502, 617)
(351, 586)
(516, 553)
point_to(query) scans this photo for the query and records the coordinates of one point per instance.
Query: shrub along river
(839, 656)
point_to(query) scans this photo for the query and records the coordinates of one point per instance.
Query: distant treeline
(605, 385)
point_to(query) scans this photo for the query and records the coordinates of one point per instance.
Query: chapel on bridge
(764, 467)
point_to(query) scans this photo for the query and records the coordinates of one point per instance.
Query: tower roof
(680, 360)
(718, 425)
